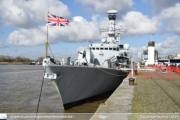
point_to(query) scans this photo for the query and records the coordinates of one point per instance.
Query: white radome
(126, 46)
(103, 40)
(112, 11)
(178, 55)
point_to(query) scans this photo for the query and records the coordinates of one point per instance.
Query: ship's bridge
(104, 47)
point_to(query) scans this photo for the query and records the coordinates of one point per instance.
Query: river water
(20, 87)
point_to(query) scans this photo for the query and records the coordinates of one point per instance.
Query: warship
(98, 69)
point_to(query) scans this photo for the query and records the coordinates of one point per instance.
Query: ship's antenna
(118, 31)
(90, 42)
(100, 30)
(103, 30)
(112, 31)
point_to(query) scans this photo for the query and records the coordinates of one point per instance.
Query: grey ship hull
(77, 83)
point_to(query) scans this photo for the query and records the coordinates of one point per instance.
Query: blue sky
(23, 25)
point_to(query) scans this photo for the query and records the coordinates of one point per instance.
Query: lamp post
(151, 35)
(132, 66)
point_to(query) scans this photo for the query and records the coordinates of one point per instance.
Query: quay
(153, 93)
(119, 102)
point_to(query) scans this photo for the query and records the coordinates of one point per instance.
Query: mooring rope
(40, 92)
(52, 53)
(110, 73)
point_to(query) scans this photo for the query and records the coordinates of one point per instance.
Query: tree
(40, 59)
(12, 59)
(18, 59)
(2, 58)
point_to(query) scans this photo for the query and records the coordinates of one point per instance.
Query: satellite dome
(112, 11)
(103, 40)
(126, 46)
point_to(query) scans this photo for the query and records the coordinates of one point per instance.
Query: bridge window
(114, 48)
(93, 48)
(110, 48)
(97, 48)
(106, 48)
(101, 48)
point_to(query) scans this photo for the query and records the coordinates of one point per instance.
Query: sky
(23, 26)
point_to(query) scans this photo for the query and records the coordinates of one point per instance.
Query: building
(150, 55)
(176, 56)
(139, 58)
(170, 59)
(139, 55)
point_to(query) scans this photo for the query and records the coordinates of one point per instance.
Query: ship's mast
(112, 31)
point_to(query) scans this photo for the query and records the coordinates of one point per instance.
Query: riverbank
(14, 63)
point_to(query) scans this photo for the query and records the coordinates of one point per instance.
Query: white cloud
(167, 47)
(135, 51)
(102, 6)
(28, 13)
(171, 42)
(171, 15)
(166, 51)
(79, 30)
(138, 24)
(28, 37)
(81, 48)
(160, 5)
(2, 45)
(94, 17)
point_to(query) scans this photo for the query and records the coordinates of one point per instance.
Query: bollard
(131, 81)
(128, 71)
(135, 71)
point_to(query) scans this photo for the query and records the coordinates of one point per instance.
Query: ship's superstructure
(101, 55)
(98, 69)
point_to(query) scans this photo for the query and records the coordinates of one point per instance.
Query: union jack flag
(56, 20)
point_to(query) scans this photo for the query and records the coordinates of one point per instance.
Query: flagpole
(46, 42)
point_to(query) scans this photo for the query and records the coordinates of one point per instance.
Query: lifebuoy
(164, 70)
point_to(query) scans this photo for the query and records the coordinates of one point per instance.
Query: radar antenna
(112, 31)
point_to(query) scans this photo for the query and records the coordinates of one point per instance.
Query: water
(20, 87)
